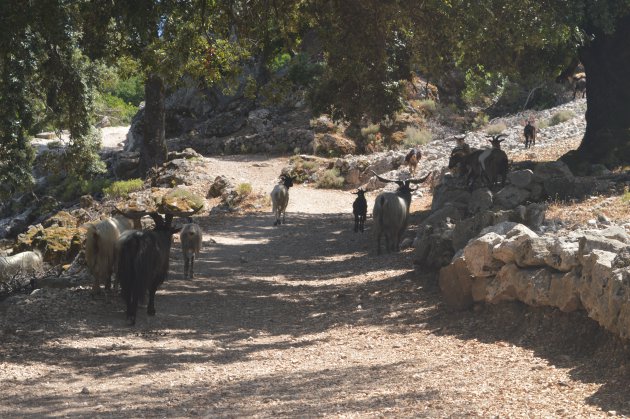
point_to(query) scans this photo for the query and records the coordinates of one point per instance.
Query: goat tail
(91, 247)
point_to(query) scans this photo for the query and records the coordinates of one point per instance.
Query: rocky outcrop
(587, 270)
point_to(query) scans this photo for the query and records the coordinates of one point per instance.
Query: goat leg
(151, 305)
(185, 266)
(192, 263)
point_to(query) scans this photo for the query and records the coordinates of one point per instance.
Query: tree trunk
(153, 150)
(606, 62)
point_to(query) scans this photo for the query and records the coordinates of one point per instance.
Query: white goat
(100, 248)
(21, 263)
(191, 237)
(280, 198)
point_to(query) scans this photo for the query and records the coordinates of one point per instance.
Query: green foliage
(303, 72)
(72, 188)
(280, 61)
(416, 136)
(118, 111)
(244, 189)
(427, 106)
(330, 179)
(496, 129)
(122, 188)
(482, 87)
(371, 129)
(626, 197)
(560, 117)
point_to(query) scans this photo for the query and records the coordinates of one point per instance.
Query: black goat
(530, 134)
(359, 209)
(143, 264)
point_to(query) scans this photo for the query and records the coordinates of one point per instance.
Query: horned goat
(143, 263)
(100, 248)
(466, 163)
(190, 237)
(21, 263)
(359, 209)
(494, 162)
(530, 134)
(391, 213)
(280, 198)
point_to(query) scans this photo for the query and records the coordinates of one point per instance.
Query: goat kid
(579, 85)
(280, 198)
(530, 134)
(391, 213)
(359, 209)
(190, 237)
(143, 264)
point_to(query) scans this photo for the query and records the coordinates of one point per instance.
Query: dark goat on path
(530, 134)
(143, 263)
(359, 209)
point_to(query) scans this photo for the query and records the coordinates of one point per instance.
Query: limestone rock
(511, 196)
(480, 200)
(333, 144)
(478, 255)
(455, 283)
(521, 178)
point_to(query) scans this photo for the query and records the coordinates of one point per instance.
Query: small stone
(592, 222)
(85, 390)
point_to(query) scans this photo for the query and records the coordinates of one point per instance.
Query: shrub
(330, 179)
(123, 188)
(71, 188)
(561, 116)
(244, 189)
(371, 129)
(416, 136)
(426, 106)
(496, 129)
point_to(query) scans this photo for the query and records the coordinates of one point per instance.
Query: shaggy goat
(530, 134)
(20, 263)
(412, 158)
(359, 209)
(100, 245)
(190, 238)
(280, 198)
(143, 264)
(579, 85)
(391, 213)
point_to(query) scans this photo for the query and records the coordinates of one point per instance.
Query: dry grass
(615, 208)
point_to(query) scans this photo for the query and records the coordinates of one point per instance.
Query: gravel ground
(300, 320)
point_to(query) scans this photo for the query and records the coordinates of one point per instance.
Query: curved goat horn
(382, 179)
(419, 180)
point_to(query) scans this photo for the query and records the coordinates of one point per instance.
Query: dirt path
(296, 321)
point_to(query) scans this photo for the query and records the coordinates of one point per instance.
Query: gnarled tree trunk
(153, 150)
(606, 62)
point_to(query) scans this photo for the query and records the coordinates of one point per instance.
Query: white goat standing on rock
(280, 198)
